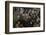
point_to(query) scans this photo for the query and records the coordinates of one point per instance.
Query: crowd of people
(26, 17)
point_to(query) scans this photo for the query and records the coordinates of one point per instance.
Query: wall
(2, 18)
